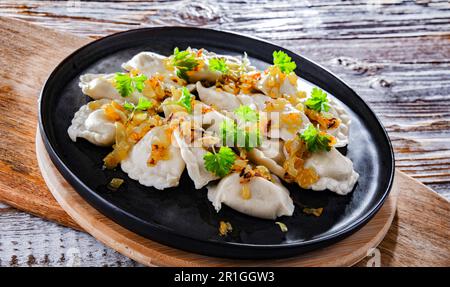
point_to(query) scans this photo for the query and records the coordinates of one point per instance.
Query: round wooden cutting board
(346, 252)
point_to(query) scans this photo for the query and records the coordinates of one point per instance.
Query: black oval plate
(183, 217)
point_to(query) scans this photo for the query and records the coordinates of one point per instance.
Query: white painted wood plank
(26, 240)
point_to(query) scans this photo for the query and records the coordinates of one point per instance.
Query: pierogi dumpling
(268, 199)
(192, 154)
(101, 86)
(167, 170)
(335, 171)
(93, 125)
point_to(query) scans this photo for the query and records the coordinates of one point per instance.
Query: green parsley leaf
(128, 106)
(123, 84)
(232, 135)
(186, 99)
(250, 138)
(318, 100)
(284, 62)
(315, 140)
(184, 61)
(220, 163)
(247, 114)
(228, 132)
(218, 64)
(138, 82)
(143, 104)
(126, 84)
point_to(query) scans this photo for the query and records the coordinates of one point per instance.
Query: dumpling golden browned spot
(93, 125)
(262, 198)
(160, 172)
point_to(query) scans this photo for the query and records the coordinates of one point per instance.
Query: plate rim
(87, 192)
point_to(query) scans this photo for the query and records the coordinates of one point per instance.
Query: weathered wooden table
(395, 54)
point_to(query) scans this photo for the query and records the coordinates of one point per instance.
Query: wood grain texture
(28, 46)
(422, 221)
(346, 252)
(27, 240)
(394, 53)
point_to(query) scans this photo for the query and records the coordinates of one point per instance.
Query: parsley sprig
(232, 134)
(315, 139)
(218, 64)
(251, 138)
(220, 162)
(127, 84)
(318, 101)
(143, 105)
(284, 62)
(228, 132)
(184, 61)
(247, 114)
(186, 100)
